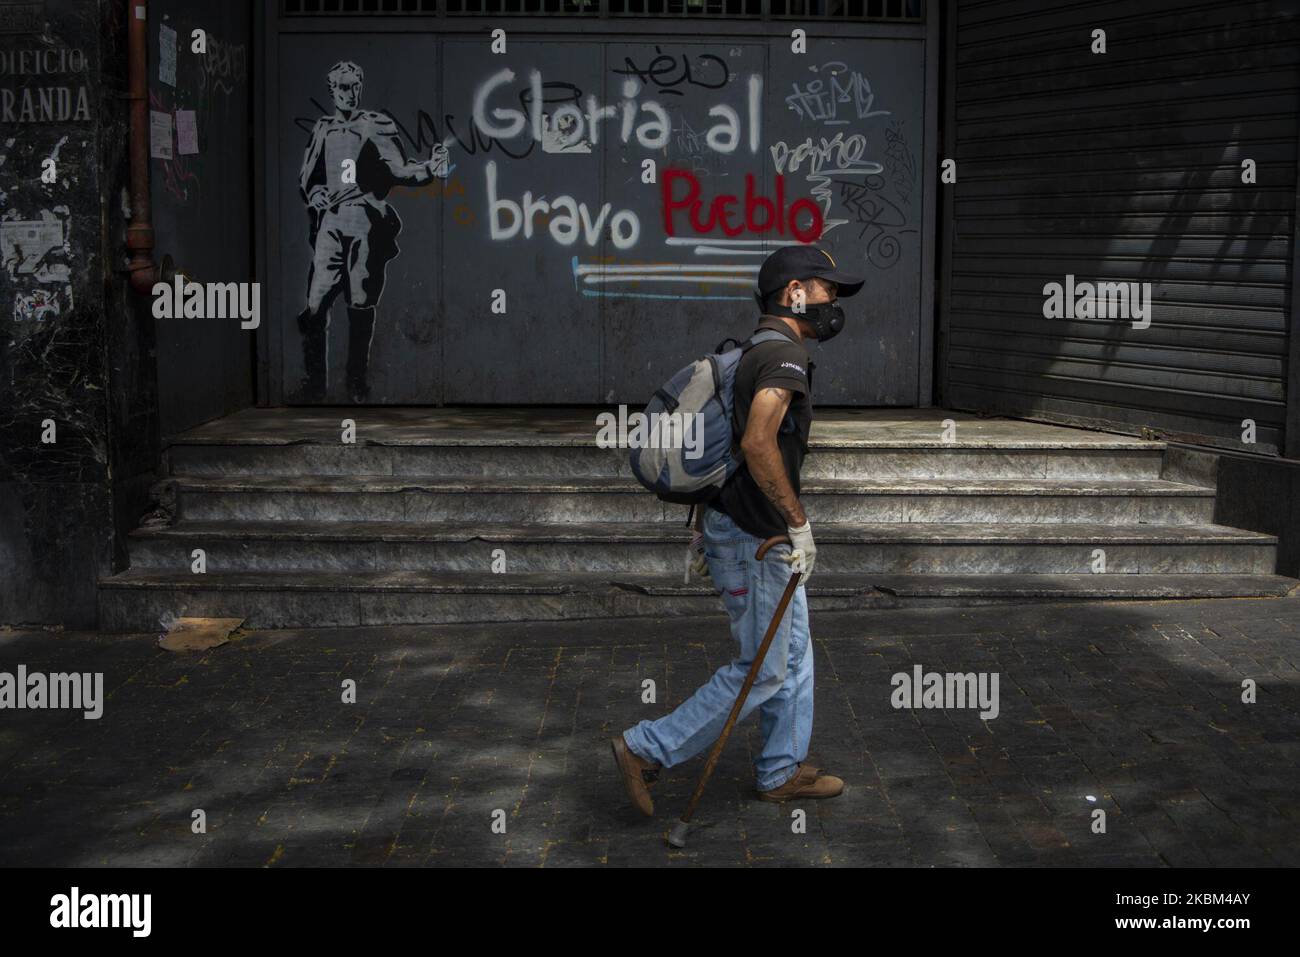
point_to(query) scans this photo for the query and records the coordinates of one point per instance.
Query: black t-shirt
(784, 365)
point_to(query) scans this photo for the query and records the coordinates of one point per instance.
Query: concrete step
(302, 530)
(145, 601)
(656, 547)
(527, 501)
(1115, 460)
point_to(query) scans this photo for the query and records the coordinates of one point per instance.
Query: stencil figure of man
(354, 158)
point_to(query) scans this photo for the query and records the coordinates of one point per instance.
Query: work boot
(808, 782)
(361, 329)
(638, 774)
(315, 357)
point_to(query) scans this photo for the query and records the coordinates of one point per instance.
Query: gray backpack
(705, 388)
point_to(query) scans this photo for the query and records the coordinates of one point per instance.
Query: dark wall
(1264, 496)
(55, 497)
(1255, 492)
(1124, 166)
(202, 205)
(79, 352)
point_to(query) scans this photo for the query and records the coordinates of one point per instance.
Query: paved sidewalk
(1136, 705)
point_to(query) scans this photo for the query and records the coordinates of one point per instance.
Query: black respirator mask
(826, 318)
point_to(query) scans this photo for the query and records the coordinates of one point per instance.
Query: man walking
(797, 291)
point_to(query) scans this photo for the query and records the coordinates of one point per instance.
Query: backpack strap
(669, 402)
(767, 335)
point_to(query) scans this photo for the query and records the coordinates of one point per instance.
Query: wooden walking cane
(677, 836)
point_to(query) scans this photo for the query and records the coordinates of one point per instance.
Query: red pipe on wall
(139, 234)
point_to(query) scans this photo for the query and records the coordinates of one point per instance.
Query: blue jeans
(783, 688)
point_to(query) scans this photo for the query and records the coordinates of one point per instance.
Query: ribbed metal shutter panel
(1124, 167)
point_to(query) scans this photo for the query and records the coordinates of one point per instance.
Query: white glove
(695, 560)
(803, 553)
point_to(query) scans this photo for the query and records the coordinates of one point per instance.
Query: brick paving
(1135, 705)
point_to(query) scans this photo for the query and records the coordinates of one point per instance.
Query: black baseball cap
(804, 262)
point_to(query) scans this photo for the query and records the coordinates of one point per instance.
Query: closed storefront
(1119, 240)
(609, 187)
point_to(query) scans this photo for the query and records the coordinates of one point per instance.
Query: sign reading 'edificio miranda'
(43, 100)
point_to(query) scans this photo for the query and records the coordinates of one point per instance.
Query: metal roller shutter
(1126, 167)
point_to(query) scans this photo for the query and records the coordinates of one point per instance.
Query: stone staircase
(299, 529)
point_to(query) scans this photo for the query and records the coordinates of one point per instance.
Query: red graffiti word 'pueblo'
(758, 214)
